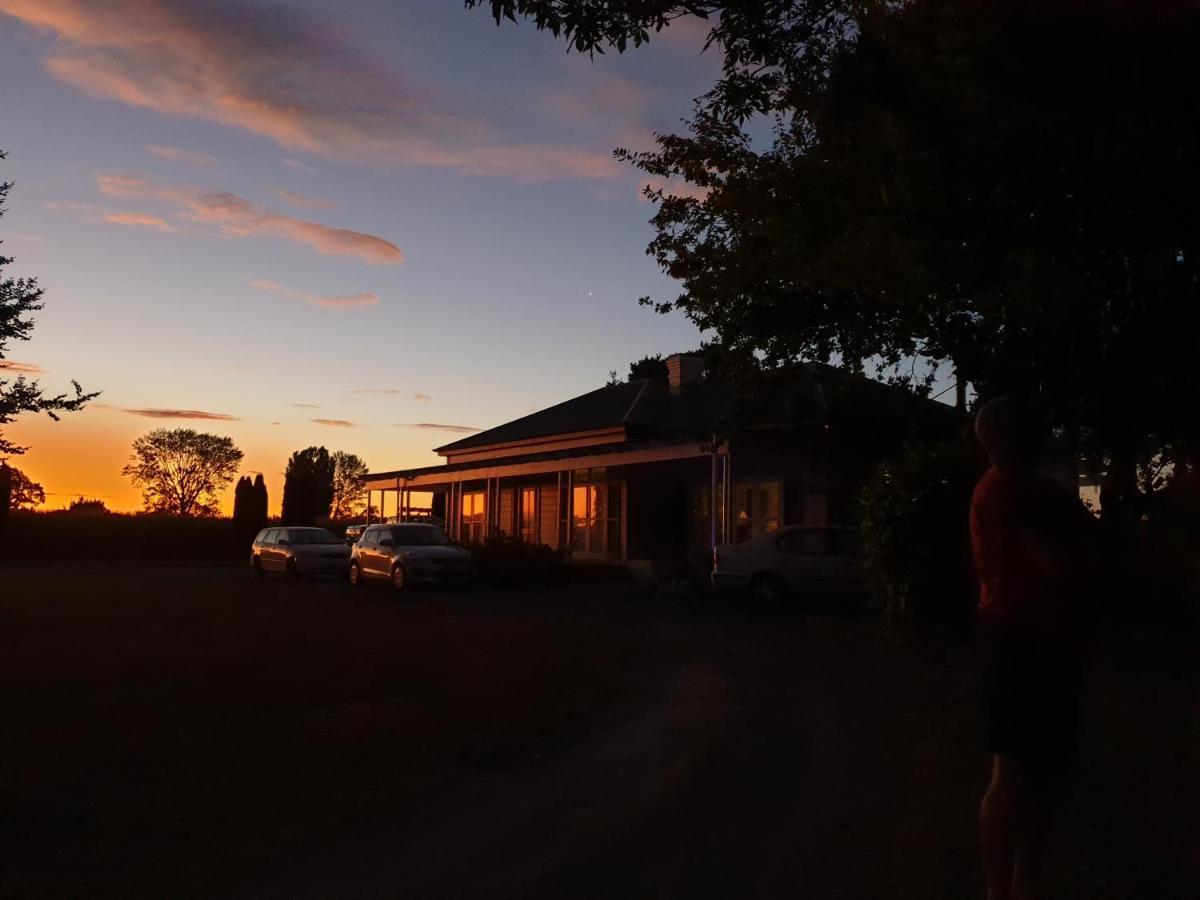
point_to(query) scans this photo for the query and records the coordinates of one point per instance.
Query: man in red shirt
(1027, 534)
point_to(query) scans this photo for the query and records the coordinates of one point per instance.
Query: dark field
(187, 731)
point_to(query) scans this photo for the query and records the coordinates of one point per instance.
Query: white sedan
(803, 559)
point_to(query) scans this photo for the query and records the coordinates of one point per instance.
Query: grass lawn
(189, 731)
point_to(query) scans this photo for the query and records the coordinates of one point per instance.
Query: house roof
(606, 407)
(647, 410)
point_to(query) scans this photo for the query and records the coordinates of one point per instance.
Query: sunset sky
(366, 224)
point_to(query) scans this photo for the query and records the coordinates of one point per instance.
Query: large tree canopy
(182, 471)
(1005, 189)
(20, 298)
(308, 486)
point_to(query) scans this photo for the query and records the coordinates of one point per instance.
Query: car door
(368, 552)
(274, 553)
(806, 560)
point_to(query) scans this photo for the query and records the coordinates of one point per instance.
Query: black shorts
(1033, 697)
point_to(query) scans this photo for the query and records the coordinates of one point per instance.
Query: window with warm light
(473, 517)
(595, 514)
(755, 509)
(529, 515)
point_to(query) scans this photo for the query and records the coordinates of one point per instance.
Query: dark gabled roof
(607, 407)
(647, 409)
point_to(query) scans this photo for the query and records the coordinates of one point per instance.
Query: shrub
(916, 537)
(508, 561)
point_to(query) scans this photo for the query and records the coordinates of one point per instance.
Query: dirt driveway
(188, 731)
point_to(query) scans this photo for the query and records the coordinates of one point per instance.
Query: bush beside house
(916, 539)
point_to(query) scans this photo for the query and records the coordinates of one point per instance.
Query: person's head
(1009, 433)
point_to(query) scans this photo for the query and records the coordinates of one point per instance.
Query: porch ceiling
(624, 454)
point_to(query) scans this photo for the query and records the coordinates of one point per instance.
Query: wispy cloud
(305, 405)
(673, 189)
(286, 75)
(145, 220)
(422, 398)
(306, 202)
(297, 165)
(178, 154)
(20, 368)
(437, 426)
(367, 392)
(154, 413)
(334, 423)
(235, 216)
(348, 301)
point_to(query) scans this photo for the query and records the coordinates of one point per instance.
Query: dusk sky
(331, 223)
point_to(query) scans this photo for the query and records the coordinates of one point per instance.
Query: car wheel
(398, 577)
(355, 575)
(768, 589)
(258, 569)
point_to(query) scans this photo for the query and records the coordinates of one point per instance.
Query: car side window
(368, 537)
(810, 542)
(269, 536)
(262, 537)
(847, 543)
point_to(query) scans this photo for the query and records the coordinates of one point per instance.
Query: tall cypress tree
(260, 501)
(307, 486)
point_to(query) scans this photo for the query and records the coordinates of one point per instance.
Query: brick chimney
(683, 369)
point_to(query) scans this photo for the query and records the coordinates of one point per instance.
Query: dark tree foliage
(87, 507)
(1005, 190)
(652, 367)
(260, 502)
(243, 506)
(308, 486)
(20, 298)
(182, 471)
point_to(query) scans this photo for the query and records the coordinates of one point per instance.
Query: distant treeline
(64, 535)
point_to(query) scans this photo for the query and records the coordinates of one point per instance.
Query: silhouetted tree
(349, 486)
(88, 507)
(652, 367)
(243, 507)
(260, 501)
(1004, 190)
(20, 298)
(182, 471)
(24, 492)
(307, 486)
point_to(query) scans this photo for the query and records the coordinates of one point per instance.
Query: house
(653, 470)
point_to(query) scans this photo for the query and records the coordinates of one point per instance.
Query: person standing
(1028, 537)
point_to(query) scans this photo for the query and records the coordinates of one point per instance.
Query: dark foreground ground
(187, 731)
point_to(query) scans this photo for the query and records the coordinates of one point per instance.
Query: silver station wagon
(804, 560)
(299, 551)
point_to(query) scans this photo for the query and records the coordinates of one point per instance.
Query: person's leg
(999, 826)
(1030, 857)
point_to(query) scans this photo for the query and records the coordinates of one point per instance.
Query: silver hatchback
(299, 551)
(409, 553)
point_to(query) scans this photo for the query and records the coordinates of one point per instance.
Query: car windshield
(419, 536)
(312, 536)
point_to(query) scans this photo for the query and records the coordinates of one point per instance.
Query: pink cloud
(335, 423)
(141, 219)
(306, 202)
(422, 398)
(176, 154)
(348, 301)
(437, 426)
(282, 74)
(21, 368)
(235, 216)
(152, 413)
